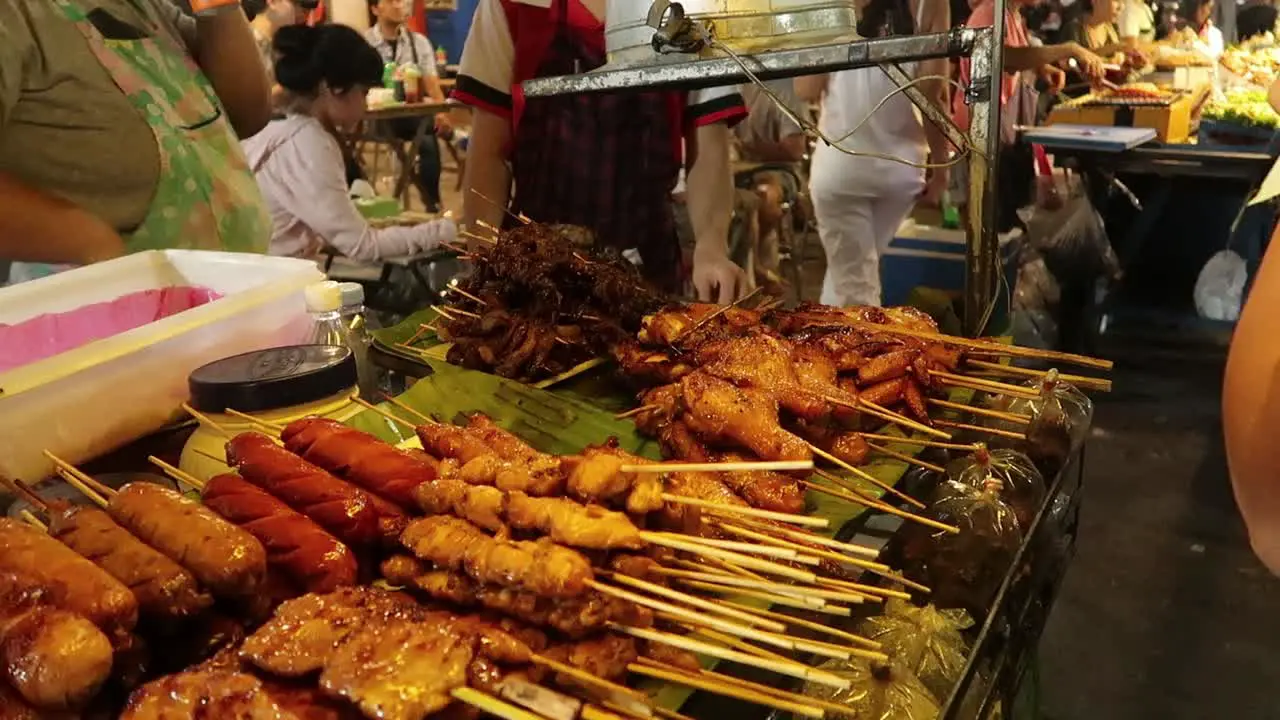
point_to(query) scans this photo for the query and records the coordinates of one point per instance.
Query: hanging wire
(813, 130)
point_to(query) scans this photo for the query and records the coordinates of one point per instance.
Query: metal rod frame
(985, 47)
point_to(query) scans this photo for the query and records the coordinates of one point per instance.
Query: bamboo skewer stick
(893, 593)
(85, 490)
(737, 466)
(1080, 381)
(866, 476)
(810, 625)
(177, 474)
(901, 419)
(739, 693)
(489, 227)
(26, 492)
(410, 409)
(621, 692)
(811, 604)
(29, 518)
(812, 538)
(914, 441)
(453, 287)
(492, 705)
(571, 372)
(838, 557)
(423, 329)
(459, 311)
(985, 412)
(721, 509)
(205, 420)
(728, 626)
(634, 411)
(783, 588)
(737, 558)
(792, 669)
(443, 313)
(521, 217)
(881, 507)
(828, 650)
(713, 315)
(990, 386)
(697, 602)
(383, 412)
(726, 568)
(984, 429)
(790, 554)
(222, 460)
(271, 427)
(994, 348)
(726, 640)
(721, 678)
(906, 458)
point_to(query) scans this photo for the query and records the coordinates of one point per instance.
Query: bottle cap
(352, 294)
(323, 296)
(274, 378)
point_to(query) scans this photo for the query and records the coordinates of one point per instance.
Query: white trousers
(854, 231)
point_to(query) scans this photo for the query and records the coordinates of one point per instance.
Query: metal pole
(983, 242)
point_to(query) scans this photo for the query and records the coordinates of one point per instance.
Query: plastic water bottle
(950, 213)
(358, 338)
(324, 303)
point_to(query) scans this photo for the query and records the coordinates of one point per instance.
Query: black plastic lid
(274, 378)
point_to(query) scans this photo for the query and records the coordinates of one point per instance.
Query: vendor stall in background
(1175, 198)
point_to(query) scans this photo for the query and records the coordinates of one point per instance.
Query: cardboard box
(1171, 122)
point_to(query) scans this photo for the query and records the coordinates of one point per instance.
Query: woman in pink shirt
(325, 72)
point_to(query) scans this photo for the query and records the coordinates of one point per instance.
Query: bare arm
(935, 16)
(810, 88)
(38, 227)
(789, 149)
(226, 52)
(487, 172)
(1017, 59)
(1251, 411)
(710, 202)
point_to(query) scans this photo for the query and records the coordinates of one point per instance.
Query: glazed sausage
(224, 558)
(166, 592)
(53, 658)
(379, 467)
(38, 563)
(339, 507)
(295, 545)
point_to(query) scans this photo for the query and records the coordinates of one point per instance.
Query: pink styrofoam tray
(49, 334)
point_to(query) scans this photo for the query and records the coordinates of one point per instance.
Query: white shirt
(896, 130)
(300, 170)
(1136, 20)
(408, 47)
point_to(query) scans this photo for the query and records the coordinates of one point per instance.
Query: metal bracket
(675, 32)
(979, 90)
(941, 117)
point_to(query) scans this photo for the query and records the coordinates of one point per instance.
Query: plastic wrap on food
(878, 691)
(963, 569)
(1023, 485)
(1060, 418)
(924, 640)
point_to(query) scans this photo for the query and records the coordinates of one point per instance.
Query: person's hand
(1135, 58)
(934, 187)
(716, 278)
(1090, 64)
(1054, 77)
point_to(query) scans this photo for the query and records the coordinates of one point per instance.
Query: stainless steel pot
(742, 25)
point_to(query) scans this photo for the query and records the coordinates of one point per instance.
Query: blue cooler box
(924, 256)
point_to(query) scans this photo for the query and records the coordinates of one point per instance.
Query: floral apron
(206, 198)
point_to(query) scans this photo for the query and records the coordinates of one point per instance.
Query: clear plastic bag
(1023, 485)
(1060, 419)
(964, 569)
(1219, 291)
(878, 691)
(925, 640)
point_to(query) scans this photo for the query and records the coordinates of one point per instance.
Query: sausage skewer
(344, 510)
(224, 558)
(166, 592)
(295, 545)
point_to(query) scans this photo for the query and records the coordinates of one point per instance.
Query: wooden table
(377, 128)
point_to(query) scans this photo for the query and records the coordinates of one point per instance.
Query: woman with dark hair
(325, 72)
(1199, 20)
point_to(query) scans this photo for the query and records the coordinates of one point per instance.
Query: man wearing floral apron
(118, 130)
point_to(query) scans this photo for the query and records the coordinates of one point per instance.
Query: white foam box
(96, 398)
